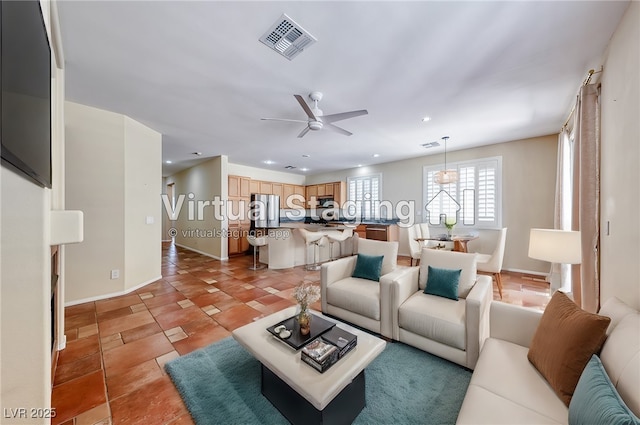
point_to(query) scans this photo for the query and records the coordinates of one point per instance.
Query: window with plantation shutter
(475, 199)
(365, 193)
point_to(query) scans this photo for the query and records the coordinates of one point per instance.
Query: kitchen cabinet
(382, 232)
(361, 230)
(288, 190)
(239, 186)
(266, 188)
(237, 240)
(254, 186)
(339, 192)
(278, 189)
(311, 197)
(301, 199)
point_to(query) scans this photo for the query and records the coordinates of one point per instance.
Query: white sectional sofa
(506, 388)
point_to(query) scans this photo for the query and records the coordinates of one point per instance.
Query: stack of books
(324, 352)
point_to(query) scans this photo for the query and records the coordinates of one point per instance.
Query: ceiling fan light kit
(316, 118)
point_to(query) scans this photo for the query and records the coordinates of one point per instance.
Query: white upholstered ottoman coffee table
(298, 391)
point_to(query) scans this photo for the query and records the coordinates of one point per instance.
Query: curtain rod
(586, 81)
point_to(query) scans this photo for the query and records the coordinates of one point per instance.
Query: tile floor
(111, 371)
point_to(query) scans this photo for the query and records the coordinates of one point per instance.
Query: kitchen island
(286, 247)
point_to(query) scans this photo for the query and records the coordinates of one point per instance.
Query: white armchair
(454, 330)
(363, 302)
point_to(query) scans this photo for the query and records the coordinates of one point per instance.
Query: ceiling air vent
(287, 37)
(430, 145)
(289, 167)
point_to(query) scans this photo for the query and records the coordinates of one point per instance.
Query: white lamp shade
(555, 246)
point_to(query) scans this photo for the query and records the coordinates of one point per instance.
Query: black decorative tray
(296, 340)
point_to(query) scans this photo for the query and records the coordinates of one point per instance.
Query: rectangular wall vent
(287, 37)
(430, 145)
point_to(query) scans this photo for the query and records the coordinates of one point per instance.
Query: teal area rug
(221, 384)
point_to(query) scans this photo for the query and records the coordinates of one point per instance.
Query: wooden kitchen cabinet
(361, 230)
(278, 189)
(382, 232)
(299, 190)
(339, 192)
(266, 188)
(254, 186)
(311, 198)
(239, 186)
(237, 240)
(288, 190)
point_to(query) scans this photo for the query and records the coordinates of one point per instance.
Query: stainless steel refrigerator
(264, 211)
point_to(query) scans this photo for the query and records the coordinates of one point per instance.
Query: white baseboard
(62, 344)
(200, 252)
(111, 295)
(529, 272)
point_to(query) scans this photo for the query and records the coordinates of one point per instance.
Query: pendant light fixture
(446, 176)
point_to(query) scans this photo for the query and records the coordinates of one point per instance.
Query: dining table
(459, 241)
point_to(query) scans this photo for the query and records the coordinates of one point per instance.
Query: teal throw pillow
(596, 401)
(368, 267)
(443, 282)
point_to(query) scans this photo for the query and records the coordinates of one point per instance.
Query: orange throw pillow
(565, 340)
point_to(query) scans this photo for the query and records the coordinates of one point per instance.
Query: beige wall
(25, 323)
(143, 220)
(266, 175)
(206, 182)
(112, 175)
(620, 175)
(25, 272)
(527, 201)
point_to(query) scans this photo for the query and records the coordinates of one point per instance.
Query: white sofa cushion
(436, 318)
(518, 393)
(450, 260)
(357, 295)
(620, 353)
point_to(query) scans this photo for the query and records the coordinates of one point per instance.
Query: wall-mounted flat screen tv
(25, 77)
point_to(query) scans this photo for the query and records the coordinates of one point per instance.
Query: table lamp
(555, 246)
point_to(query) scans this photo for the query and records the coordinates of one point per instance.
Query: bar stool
(256, 241)
(316, 239)
(338, 237)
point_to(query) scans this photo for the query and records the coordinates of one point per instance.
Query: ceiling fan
(316, 120)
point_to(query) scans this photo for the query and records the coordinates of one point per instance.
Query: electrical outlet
(115, 274)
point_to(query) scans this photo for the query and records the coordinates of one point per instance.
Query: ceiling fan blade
(305, 107)
(282, 119)
(343, 116)
(303, 132)
(337, 129)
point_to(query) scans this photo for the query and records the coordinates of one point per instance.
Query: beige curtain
(586, 196)
(560, 272)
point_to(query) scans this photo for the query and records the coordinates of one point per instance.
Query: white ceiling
(485, 72)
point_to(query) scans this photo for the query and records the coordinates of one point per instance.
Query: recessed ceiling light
(269, 162)
(304, 169)
(426, 119)
(169, 162)
(359, 165)
(375, 155)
